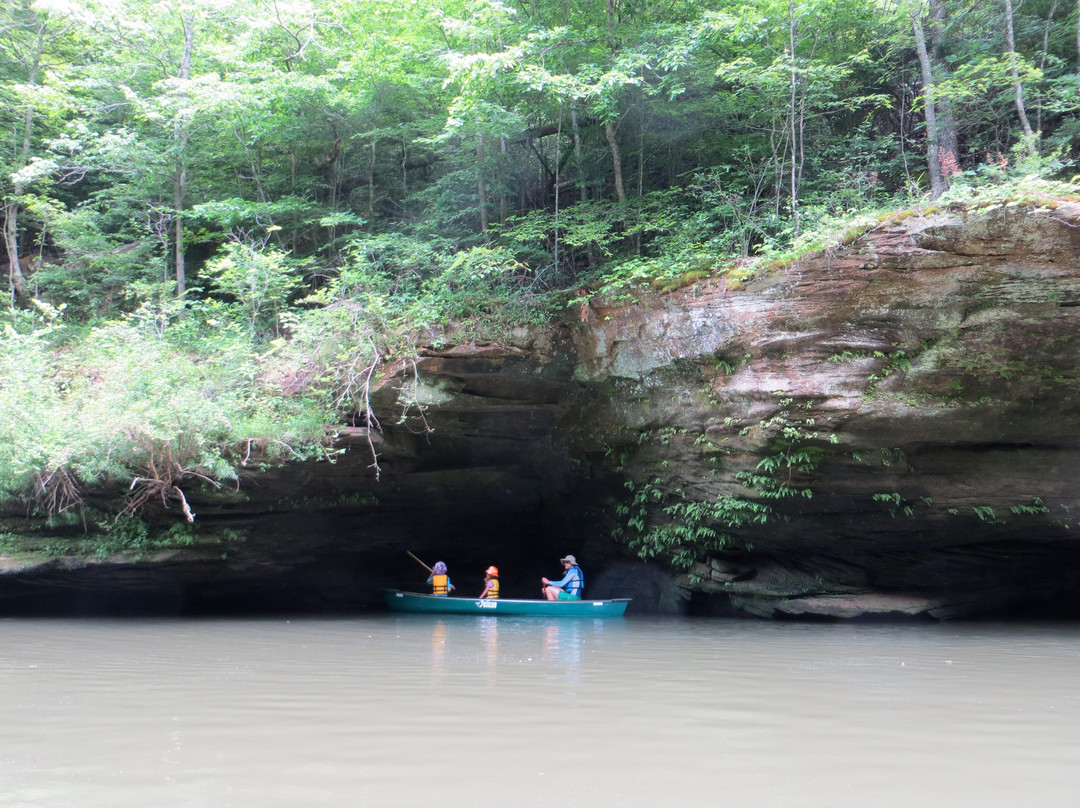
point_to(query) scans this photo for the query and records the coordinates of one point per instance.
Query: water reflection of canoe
(399, 601)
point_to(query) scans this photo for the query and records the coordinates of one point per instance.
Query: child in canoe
(440, 581)
(491, 583)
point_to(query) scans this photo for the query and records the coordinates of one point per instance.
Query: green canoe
(399, 601)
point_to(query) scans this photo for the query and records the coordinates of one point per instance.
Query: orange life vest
(493, 590)
(440, 584)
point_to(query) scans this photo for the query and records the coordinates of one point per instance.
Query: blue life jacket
(577, 585)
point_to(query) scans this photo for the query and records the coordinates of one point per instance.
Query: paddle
(422, 564)
(429, 569)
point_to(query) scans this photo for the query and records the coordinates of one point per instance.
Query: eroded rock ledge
(927, 373)
(909, 400)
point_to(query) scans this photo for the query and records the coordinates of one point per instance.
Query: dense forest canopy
(223, 218)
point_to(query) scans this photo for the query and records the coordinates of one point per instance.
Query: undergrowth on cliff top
(986, 189)
(154, 409)
(1024, 180)
(692, 255)
(177, 395)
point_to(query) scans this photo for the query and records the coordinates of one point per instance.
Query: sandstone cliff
(911, 397)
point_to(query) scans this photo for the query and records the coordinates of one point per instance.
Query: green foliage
(237, 215)
(660, 520)
(895, 503)
(1035, 508)
(33, 423)
(996, 186)
(487, 289)
(795, 449)
(682, 529)
(132, 537)
(123, 536)
(985, 513)
(260, 280)
(135, 401)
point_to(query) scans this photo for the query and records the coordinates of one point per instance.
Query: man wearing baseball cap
(572, 584)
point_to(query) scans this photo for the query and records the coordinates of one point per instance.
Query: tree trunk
(180, 141)
(1042, 57)
(179, 192)
(793, 110)
(558, 176)
(946, 120)
(501, 165)
(1018, 88)
(16, 279)
(371, 185)
(583, 189)
(481, 186)
(938, 184)
(616, 160)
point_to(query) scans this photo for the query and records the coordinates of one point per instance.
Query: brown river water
(398, 711)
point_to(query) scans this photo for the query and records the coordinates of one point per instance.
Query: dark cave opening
(335, 553)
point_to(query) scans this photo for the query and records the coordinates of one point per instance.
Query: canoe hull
(416, 603)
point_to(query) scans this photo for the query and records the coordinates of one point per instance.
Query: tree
(1014, 71)
(29, 37)
(259, 279)
(944, 117)
(180, 138)
(938, 184)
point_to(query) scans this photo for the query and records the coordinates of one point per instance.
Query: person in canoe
(491, 583)
(440, 581)
(570, 586)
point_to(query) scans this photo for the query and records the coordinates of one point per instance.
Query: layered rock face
(911, 400)
(889, 428)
